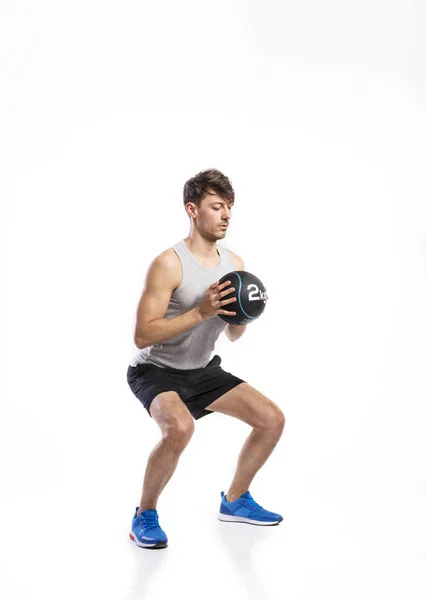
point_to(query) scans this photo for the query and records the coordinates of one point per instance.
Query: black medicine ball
(250, 294)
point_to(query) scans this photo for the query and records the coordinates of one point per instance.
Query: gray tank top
(191, 349)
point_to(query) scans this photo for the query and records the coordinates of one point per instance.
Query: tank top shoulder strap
(186, 260)
(226, 256)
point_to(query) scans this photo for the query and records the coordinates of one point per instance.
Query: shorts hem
(221, 391)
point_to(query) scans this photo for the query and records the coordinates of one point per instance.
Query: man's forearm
(161, 330)
(234, 332)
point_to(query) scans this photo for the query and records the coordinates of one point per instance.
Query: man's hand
(212, 303)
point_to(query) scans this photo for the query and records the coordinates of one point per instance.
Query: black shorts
(197, 388)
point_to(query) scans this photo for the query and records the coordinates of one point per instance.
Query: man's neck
(201, 247)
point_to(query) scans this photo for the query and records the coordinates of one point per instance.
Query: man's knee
(178, 433)
(275, 419)
(173, 418)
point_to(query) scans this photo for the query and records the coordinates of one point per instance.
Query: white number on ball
(255, 290)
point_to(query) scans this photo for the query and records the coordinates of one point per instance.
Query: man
(171, 373)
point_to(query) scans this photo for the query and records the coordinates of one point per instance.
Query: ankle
(145, 508)
(232, 497)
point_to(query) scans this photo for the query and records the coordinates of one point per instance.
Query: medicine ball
(250, 294)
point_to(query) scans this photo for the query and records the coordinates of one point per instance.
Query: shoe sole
(233, 519)
(149, 546)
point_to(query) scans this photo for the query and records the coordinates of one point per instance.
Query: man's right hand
(212, 303)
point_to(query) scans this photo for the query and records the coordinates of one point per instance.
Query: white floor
(350, 529)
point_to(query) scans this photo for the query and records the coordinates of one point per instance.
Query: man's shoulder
(168, 257)
(169, 262)
(238, 261)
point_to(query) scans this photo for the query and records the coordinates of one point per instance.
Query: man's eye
(216, 209)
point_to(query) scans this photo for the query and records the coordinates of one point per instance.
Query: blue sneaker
(245, 510)
(146, 531)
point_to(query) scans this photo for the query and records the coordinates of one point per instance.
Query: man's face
(213, 215)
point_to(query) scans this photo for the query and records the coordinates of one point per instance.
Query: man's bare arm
(151, 325)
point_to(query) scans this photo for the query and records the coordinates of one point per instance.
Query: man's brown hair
(207, 181)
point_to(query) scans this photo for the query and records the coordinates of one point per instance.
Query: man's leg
(254, 453)
(177, 426)
(267, 419)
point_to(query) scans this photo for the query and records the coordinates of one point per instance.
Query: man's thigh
(251, 406)
(170, 413)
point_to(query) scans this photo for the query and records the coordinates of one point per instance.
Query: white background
(316, 112)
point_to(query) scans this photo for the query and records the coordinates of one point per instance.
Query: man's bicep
(155, 296)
